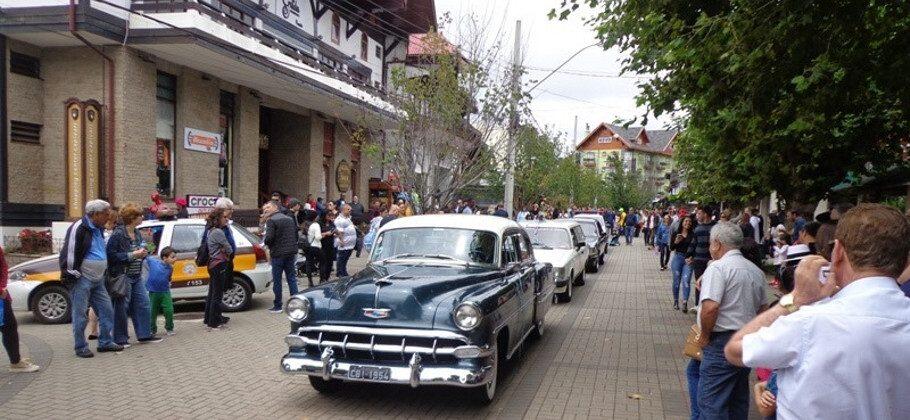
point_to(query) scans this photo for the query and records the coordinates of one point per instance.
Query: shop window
(364, 47)
(165, 132)
(24, 132)
(336, 28)
(225, 162)
(25, 65)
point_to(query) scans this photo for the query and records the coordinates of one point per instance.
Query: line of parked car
(444, 300)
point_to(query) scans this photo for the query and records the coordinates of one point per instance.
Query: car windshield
(589, 228)
(465, 245)
(549, 238)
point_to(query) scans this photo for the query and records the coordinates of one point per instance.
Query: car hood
(557, 257)
(412, 293)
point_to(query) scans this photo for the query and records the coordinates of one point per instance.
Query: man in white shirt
(733, 291)
(345, 239)
(843, 356)
(755, 222)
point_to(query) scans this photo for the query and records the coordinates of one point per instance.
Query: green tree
(785, 96)
(626, 188)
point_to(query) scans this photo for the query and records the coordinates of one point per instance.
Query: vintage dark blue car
(444, 300)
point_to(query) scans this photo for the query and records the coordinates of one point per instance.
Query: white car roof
(589, 216)
(173, 222)
(494, 224)
(558, 223)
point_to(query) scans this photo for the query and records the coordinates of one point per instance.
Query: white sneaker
(24, 366)
(170, 333)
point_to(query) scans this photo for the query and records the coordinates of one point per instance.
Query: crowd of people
(825, 347)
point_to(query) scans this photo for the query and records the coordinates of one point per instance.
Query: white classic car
(35, 285)
(562, 244)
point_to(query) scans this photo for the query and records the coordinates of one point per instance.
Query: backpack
(202, 253)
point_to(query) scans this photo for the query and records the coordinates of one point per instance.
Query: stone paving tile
(618, 338)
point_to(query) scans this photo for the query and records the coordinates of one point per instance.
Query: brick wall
(197, 107)
(25, 102)
(288, 152)
(246, 150)
(134, 157)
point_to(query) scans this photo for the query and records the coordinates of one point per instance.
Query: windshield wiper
(541, 246)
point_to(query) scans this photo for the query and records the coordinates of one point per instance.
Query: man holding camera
(837, 341)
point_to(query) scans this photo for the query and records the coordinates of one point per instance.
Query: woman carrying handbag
(130, 299)
(219, 257)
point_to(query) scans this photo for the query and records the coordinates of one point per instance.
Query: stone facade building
(119, 99)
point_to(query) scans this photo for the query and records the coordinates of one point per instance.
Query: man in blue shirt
(83, 262)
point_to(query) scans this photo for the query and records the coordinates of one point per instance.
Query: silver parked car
(562, 244)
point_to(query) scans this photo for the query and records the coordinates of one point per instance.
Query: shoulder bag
(117, 285)
(692, 349)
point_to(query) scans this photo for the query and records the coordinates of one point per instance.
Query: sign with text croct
(202, 141)
(198, 204)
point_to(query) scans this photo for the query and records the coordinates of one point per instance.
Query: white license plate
(370, 373)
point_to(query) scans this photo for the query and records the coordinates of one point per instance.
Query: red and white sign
(202, 141)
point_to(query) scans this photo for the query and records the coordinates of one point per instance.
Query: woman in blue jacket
(125, 252)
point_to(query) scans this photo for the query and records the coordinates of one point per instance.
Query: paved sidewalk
(615, 351)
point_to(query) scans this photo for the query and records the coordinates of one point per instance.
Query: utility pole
(575, 133)
(513, 123)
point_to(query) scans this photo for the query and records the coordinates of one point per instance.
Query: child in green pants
(156, 273)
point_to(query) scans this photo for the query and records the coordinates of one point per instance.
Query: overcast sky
(594, 96)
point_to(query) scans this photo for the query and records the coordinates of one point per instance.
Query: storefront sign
(199, 204)
(343, 176)
(202, 141)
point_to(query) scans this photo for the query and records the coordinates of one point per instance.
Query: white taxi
(35, 285)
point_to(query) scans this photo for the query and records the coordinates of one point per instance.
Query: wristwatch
(786, 301)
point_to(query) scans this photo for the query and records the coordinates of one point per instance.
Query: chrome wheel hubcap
(234, 296)
(52, 305)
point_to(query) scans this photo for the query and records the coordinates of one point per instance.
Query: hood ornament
(376, 313)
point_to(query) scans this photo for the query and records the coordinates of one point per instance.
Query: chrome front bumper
(413, 374)
(422, 357)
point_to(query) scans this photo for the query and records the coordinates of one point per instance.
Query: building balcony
(235, 40)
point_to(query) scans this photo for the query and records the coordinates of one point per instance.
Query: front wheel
(52, 305)
(238, 296)
(485, 394)
(565, 297)
(323, 386)
(580, 280)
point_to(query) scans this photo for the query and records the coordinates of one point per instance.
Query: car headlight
(298, 310)
(560, 271)
(17, 275)
(466, 316)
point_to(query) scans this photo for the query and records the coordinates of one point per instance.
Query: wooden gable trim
(319, 8)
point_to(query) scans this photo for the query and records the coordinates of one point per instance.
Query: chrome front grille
(382, 344)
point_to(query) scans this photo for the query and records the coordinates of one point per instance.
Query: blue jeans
(682, 274)
(286, 266)
(342, 268)
(135, 305)
(86, 292)
(723, 389)
(629, 231)
(692, 380)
